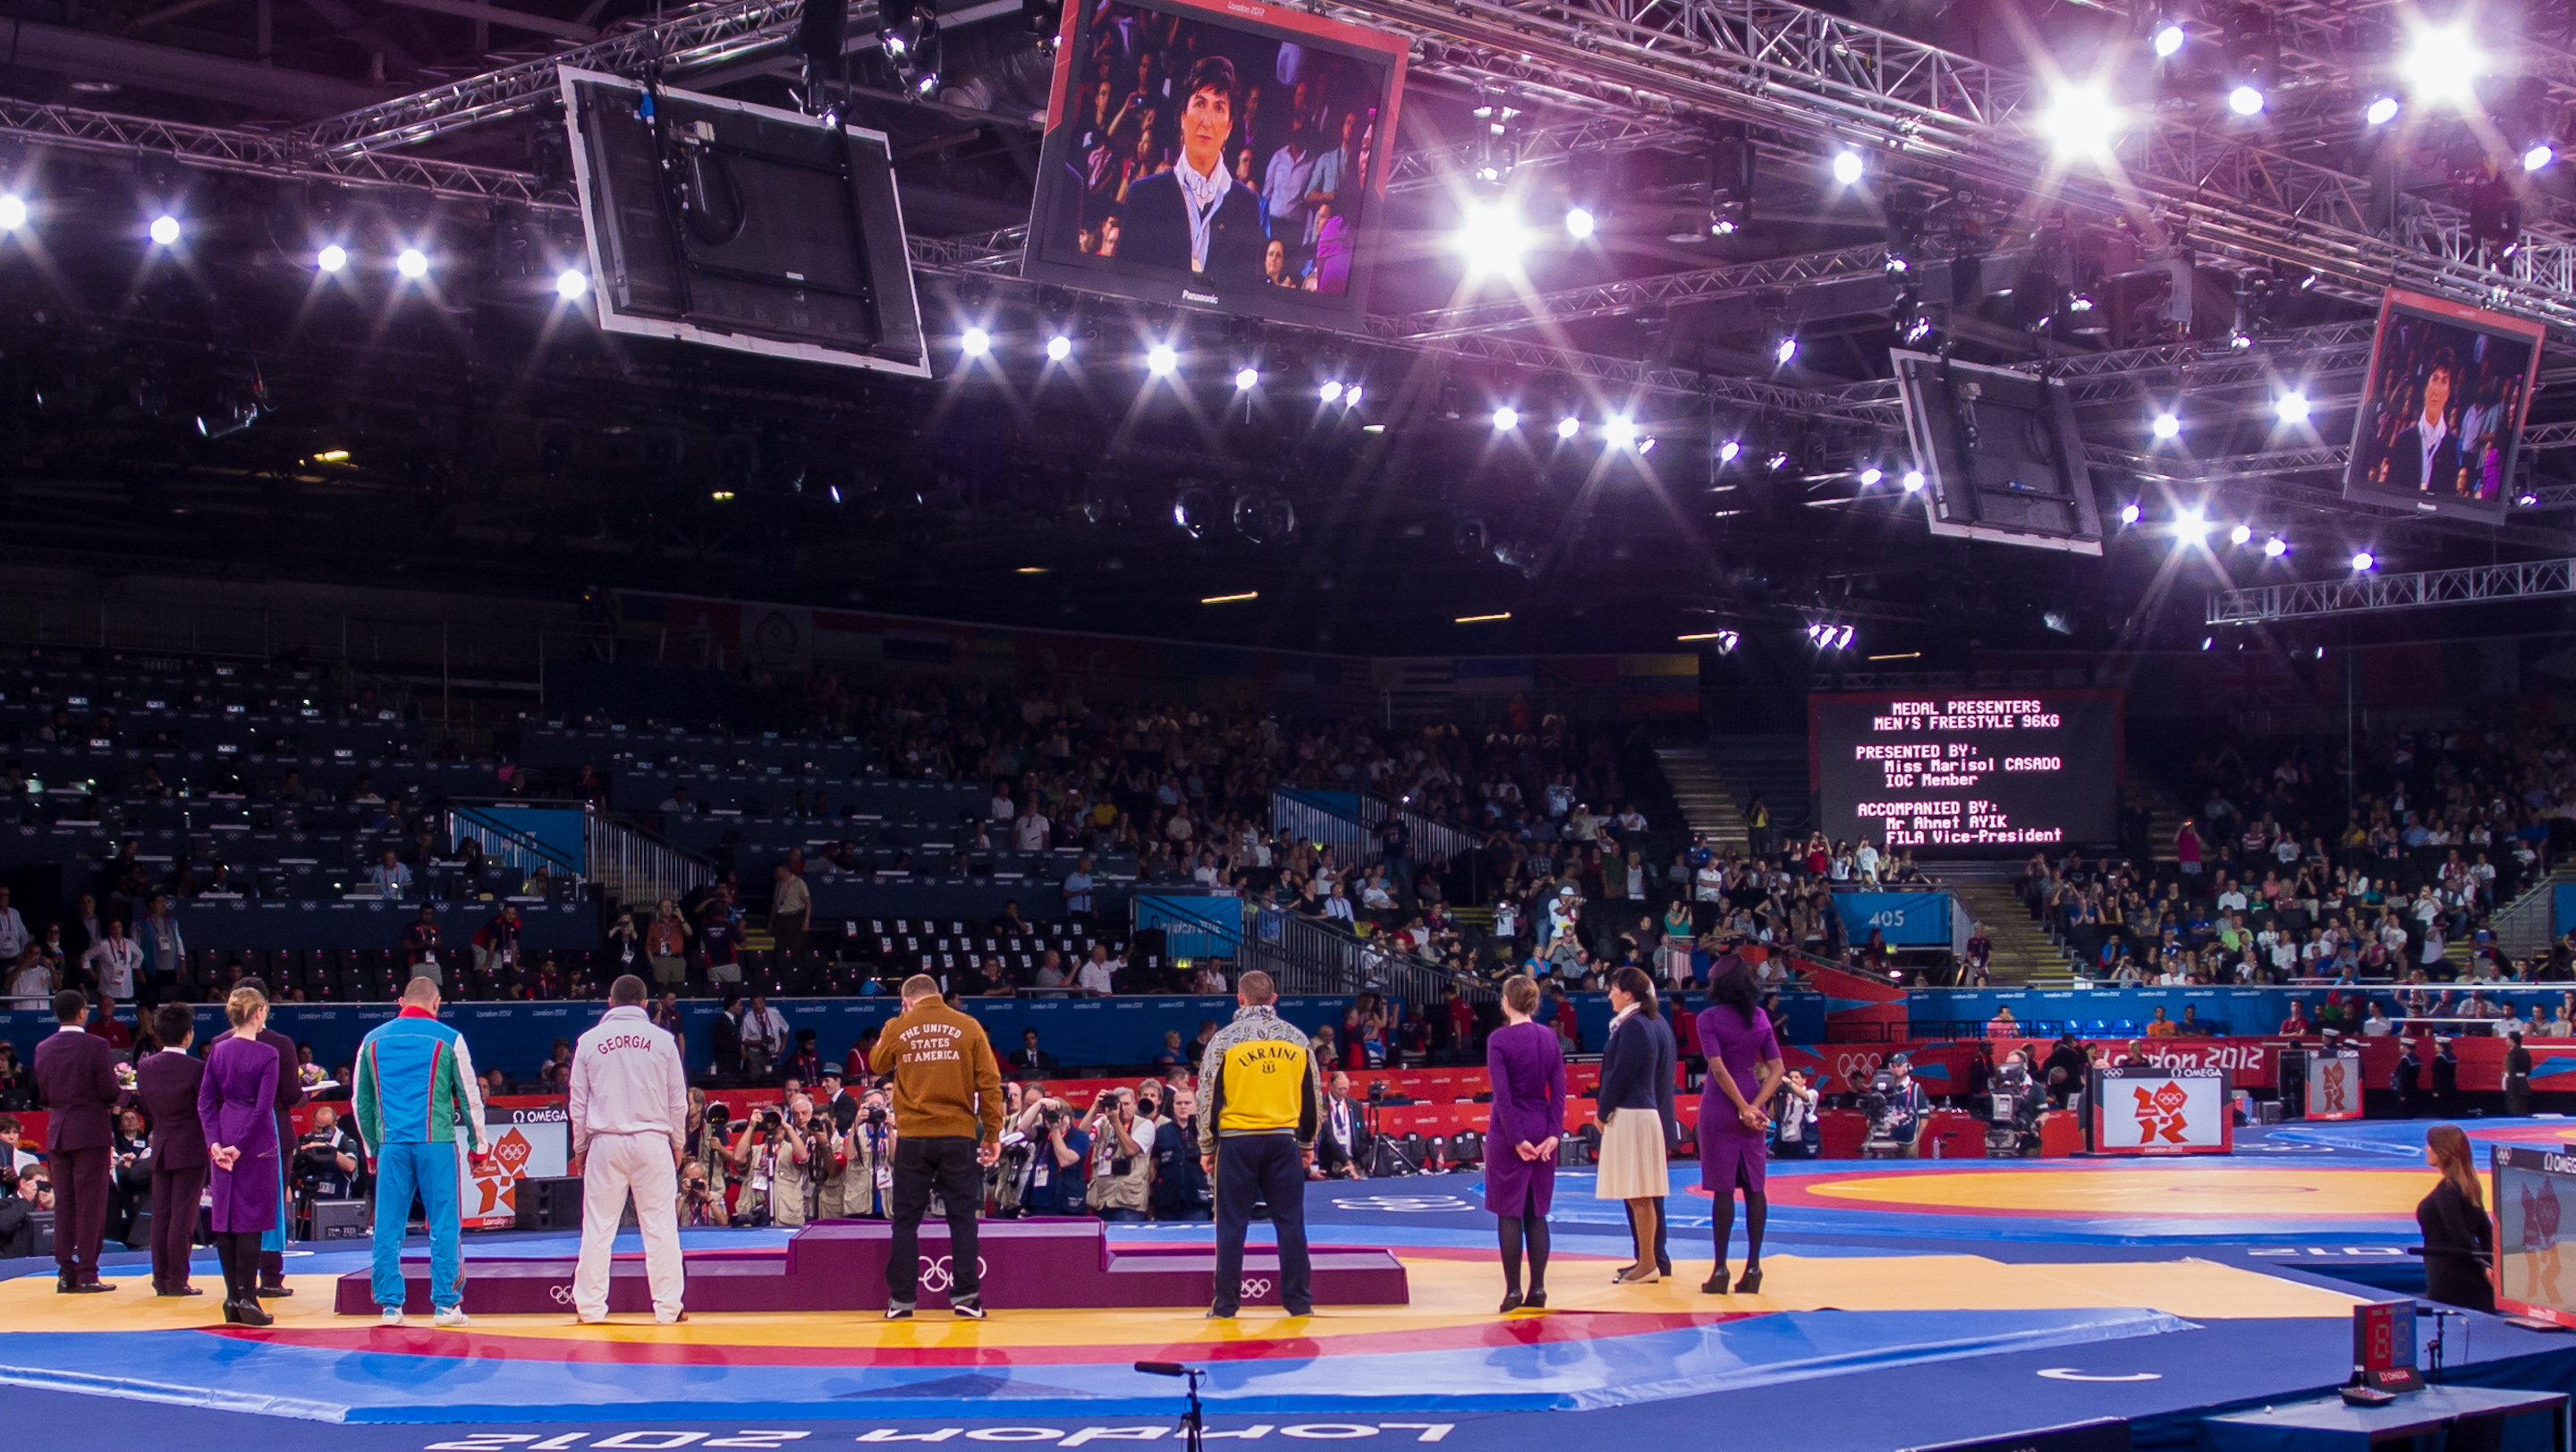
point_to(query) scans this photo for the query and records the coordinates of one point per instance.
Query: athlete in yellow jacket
(1257, 1138)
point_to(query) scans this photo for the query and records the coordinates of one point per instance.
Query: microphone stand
(1191, 1423)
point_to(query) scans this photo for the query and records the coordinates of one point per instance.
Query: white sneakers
(450, 1316)
(393, 1316)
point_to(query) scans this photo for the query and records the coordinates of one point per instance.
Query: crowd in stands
(2294, 866)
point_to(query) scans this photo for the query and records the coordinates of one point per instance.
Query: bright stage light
(1913, 481)
(1351, 397)
(1162, 361)
(2241, 534)
(1847, 168)
(2380, 111)
(2291, 408)
(1729, 452)
(2193, 526)
(2081, 121)
(976, 342)
(2167, 426)
(1568, 426)
(571, 283)
(1621, 431)
(1491, 237)
(2246, 101)
(1059, 348)
(2129, 512)
(332, 258)
(165, 230)
(1870, 476)
(2443, 65)
(2538, 157)
(1579, 223)
(1506, 419)
(1245, 377)
(413, 263)
(2362, 560)
(13, 211)
(2275, 547)
(1331, 390)
(2169, 38)
(1786, 350)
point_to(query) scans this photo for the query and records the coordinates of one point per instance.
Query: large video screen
(2441, 412)
(2001, 454)
(1230, 156)
(2535, 1192)
(1963, 773)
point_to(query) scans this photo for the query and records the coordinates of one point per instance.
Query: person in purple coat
(236, 1102)
(1744, 1071)
(1528, 1071)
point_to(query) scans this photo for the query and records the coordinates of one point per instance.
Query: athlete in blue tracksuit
(415, 1082)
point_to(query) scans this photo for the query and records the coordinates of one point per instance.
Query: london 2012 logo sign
(2160, 1113)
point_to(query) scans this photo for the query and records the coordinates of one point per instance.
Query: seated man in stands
(2296, 1026)
(1029, 1061)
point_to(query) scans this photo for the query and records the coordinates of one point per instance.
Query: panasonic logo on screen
(1198, 297)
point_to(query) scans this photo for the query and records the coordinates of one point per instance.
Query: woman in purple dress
(1528, 1071)
(236, 1103)
(1744, 1071)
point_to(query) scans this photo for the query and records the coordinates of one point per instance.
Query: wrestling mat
(1982, 1297)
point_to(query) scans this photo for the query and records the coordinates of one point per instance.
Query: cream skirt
(1632, 1157)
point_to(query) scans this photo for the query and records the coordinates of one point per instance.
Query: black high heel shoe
(248, 1313)
(1511, 1302)
(1751, 1284)
(1535, 1301)
(232, 1312)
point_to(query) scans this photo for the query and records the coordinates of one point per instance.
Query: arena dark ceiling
(467, 432)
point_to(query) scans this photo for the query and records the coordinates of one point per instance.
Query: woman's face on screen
(1205, 123)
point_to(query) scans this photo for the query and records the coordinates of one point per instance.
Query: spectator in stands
(677, 804)
(391, 879)
(1078, 887)
(1099, 976)
(791, 904)
(805, 1065)
(1029, 1061)
(110, 968)
(2296, 1026)
(666, 945)
(496, 946)
(2003, 1025)
(420, 944)
(1050, 973)
(994, 980)
(13, 929)
(720, 938)
(2160, 1025)
(764, 1036)
(33, 979)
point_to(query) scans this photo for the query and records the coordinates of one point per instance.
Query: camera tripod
(1386, 1158)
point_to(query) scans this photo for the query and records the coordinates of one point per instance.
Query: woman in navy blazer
(1637, 1119)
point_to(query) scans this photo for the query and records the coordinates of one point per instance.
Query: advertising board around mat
(528, 1142)
(2162, 1110)
(2334, 1085)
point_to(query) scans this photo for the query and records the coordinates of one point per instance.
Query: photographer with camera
(1896, 1107)
(19, 1202)
(702, 1200)
(1122, 1157)
(772, 1155)
(1059, 1159)
(1180, 1189)
(868, 1145)
(326, 1160)
(1799, 1134)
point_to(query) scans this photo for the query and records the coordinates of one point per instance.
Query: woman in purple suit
(1744, 1071)
(1528, 1071)
(236, 1102)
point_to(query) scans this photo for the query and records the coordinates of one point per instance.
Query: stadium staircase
(2025, 955)
(1707, 805)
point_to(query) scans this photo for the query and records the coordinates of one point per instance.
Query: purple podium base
(840, 1265)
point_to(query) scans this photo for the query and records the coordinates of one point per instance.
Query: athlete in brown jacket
(948, 1126)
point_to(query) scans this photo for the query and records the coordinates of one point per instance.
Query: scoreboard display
(1967, 771)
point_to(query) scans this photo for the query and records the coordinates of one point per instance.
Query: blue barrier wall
(2562, 908)
(1908, 919)
(373, 924)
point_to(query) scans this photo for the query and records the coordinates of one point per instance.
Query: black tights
(1757, 1207)
(239, 1251)
(1527, 1228)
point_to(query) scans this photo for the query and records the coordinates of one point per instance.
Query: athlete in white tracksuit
(629, 1111)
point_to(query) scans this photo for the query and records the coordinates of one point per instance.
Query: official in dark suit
(167, 1083)
(2426, 456)
(1194, 218)
(76, 1072)
(290, 1092)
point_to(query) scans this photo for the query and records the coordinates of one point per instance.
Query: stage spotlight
(2362, 560)
(1912, 482)
(2080, 120)
(165, 230)
(2241, 534)
(1730, 451)
(2380, 111)
(976, 342)
(1506, 419)
(1351, 397)
(1059, 348)
(2167, 426)
(2193, 526)
(1579, 223)
(2129, 512)
(2246, 101)
(1245, 377)
(13, 211)
(2538, 156)
(1786, 350)
(2443, 65)
(1491, 237)
(2275, 547)
(1568, 426)
(1646, 445)
(2292, 408)
(1870, 475)
(1162, 361)
(412, 263)
(1621, 431)
(2169, 38)
(571, 284)
(1331, 390)
(331, 258)
(1847, 168)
